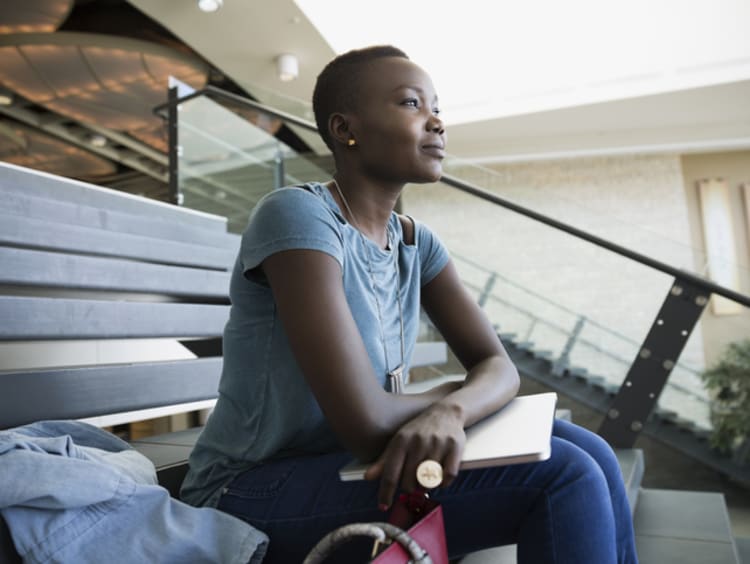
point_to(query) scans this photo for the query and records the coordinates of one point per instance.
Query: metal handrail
(556, 305)
(707, 285)
(586, 342)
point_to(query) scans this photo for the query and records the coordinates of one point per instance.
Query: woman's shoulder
(309, 194)
(292, 202)
(291, 215)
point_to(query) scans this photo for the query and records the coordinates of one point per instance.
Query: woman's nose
(435, 124)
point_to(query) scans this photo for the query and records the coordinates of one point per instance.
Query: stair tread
(743, 549)
(674, 513)
(660, 550)
(632, 466)
(683, 527)
(672, 527)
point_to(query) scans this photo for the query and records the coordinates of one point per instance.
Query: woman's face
(399, 135)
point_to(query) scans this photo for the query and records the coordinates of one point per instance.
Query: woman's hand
(436, 434)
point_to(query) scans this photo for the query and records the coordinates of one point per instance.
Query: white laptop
(520, 432)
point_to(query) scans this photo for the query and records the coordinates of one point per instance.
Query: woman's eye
(436, 111)
(413, 102)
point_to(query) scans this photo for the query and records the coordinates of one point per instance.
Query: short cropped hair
(337, 85)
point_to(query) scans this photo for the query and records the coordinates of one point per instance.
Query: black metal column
(173, 147)
(653, 364)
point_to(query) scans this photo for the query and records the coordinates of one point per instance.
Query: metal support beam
(53, 125)
(653, 364)
(173, 148)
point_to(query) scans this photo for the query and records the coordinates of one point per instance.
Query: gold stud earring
(351, 142)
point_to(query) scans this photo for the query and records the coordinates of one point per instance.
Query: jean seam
(495, 488)
(302, 519)
(548, 500)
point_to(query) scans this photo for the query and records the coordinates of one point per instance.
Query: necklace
(396, 376)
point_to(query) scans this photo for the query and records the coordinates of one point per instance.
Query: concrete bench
(112, 310)
(112, 305)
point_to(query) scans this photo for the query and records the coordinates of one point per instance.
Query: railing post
(173, 146)
(653, 364)
(279, 176)
(563, 361)
(487, 290)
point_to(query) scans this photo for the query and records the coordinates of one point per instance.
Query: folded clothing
(71, 492)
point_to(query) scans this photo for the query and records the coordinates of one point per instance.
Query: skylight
(497, 58)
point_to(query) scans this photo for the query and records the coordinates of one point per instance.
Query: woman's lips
(434, 151)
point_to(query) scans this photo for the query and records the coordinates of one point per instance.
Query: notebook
(520, 432)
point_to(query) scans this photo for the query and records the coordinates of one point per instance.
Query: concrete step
(632, 467)
(671, 527)
(681, 527)
(743, 549)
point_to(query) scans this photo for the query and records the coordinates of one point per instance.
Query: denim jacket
(70, 492)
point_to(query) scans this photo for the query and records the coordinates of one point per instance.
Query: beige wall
(734, 168)
(636, 201)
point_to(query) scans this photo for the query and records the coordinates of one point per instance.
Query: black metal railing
(573, 336)
(670, 330)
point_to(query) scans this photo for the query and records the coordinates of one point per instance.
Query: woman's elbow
(515, 379)
(365, 441)
(364, 435)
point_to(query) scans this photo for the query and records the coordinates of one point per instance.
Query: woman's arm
(309, 295)
(491, 382)
(492, 379)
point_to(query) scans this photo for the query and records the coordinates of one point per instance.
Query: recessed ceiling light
(210, 5)
(287, 67)
(6, 99)
(98, 140)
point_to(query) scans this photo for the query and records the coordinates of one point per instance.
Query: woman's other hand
(436, 434)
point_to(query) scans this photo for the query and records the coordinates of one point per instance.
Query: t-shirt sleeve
(286, 219)
(433, 256)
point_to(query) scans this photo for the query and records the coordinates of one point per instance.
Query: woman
(325, 296)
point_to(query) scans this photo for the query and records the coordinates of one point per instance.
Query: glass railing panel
(585, 308)
(226, 163)
(582, 306)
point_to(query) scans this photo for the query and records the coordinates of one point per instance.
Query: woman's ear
(338, 127)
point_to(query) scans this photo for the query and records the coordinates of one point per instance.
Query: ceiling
(254, 33)
(79, 80)
(97, 67)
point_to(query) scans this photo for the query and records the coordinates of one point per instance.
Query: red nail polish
(383, 507)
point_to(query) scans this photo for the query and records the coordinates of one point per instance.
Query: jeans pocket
(261, 482)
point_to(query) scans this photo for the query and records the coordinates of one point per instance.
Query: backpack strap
(407, 225)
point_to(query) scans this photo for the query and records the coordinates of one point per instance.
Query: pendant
(396, 379)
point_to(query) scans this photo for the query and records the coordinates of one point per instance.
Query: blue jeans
(571, 508)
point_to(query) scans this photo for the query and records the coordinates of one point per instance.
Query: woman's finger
(452, 462)
(417, 452)
(375, 469)
(390, 475)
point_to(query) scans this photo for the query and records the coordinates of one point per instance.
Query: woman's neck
(369, 205)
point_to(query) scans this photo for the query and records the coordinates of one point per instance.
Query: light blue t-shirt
(265, 407)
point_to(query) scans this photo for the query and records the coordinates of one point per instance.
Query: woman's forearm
(389, 412)
(489, 385)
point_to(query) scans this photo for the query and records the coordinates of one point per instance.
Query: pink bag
(415, 533)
